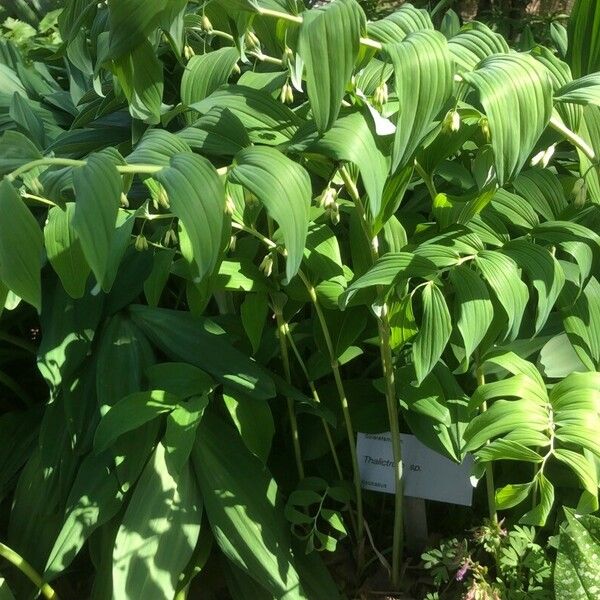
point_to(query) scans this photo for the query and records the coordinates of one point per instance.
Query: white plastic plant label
(427, 474)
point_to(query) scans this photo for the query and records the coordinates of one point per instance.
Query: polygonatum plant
(233, 233)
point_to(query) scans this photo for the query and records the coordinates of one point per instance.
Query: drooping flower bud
(287, 94)
(334, 213)
(580, 192)
(485, 128)
(188, 52)
(123, 201)
(380, 95)
(252, 42)
(162, 198)
(170, 238)
(232, 243)
(543, 157)
(229, 205)
(328, 198)
(266, 266)
(141, 243)
(451, 121)
(287, 56)
(206, 24)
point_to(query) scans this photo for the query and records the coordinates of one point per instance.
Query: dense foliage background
(233, 234)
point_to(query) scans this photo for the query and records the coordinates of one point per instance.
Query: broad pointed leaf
(423, 84)
(20, 247)
(197, 198)
(329, 45)
(283, 186)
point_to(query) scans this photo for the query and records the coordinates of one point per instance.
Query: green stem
(317, 399)
(428, 180)
(390, 389)
(394, 419)
(18, 561)
(339, 384)
(275, 14)
(281, 329)
(489, 468)
(259, 236)
(44, 162)
(271, 60)
(68, 162)
(557, 124)
(39, 199)
(181, 594)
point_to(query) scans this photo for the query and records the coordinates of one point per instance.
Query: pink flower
(460, 574)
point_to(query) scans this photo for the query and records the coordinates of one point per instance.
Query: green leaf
(180, 432)
(5, 592)
(512, 494)
(240, 276)
(582, 467)
(389, 269)
(64, 250)
(545, 274)
(131, 21)
(157, 147)
(131, 412)
(512, 210)
(267, 120)
(518, 85)
(123, 354)
(205, 73)
(351, 138)
(583, 53)
(560, 74)
(539, 514)
(180, 379)
(502, 276)
(434, 332)
(157, 280)
(423, 84)
(576, 574)
(240, 500)
(21, 245)
(402, 322)
(98, 188)
(15, 151)
(254, 420)
(187, 338)
(158, 532)
(253, 312)
(474, 42)
(197, 197)
(219, 132)
(558, 358)
(503, 449)
(23, 115)
(473, 308)
(585, 90)
(140, 74)
(582, 324)
(543, 190)
(94, 499)
(329, 44)
(283, 186)
(395, 27)
(504, 416)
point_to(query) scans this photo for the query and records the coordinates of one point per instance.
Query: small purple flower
(460, 574)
